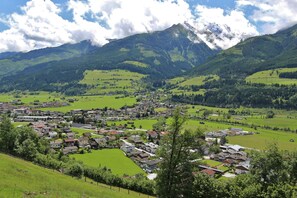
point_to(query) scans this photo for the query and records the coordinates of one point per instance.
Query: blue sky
(9, 6)
(33, 24)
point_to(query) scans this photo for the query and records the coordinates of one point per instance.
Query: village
(140, 145)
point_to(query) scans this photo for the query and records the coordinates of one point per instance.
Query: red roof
(208, 172)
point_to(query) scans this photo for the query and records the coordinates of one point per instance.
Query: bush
(75, 170)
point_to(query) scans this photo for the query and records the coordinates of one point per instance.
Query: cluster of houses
(226, 132)
(232, 156)
(142, 153)
(63, 139)
(143, 158)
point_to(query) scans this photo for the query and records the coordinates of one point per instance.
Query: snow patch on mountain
(216, 36)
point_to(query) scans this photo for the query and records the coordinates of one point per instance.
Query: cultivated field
(113, 159)
(93, 102)
(23, 179)
(112, 81)
(272, 77)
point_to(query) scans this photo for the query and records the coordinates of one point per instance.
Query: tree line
(233, 93)
(292, 75)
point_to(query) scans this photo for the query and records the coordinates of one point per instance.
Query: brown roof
(208, 172)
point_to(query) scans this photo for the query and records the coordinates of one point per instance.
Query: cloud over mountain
(42, 23)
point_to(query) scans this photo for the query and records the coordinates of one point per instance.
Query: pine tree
(175, 177)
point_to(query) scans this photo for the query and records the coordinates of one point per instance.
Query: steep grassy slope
(23, 179)
(256, 54)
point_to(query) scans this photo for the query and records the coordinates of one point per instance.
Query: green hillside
(159, 54)
(23, 179)
(272, 77)
(111, 81)
(190, 85)
(255, 54)
(14, 62)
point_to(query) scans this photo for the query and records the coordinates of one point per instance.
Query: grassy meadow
(29, 97)
(257, 116)
(112, 81)
(272, 77)
(113, 159)
(145, 123)
(93, 102)
(81, 102)
(20, 178)
(257, 141)
(182, 85)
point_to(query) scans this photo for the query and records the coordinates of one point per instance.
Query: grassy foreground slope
(113, 159)
(21, 179)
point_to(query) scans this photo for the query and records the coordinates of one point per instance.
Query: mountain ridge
(12, 62)
(255, 54)
(160, 55)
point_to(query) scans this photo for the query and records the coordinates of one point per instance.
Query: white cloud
(127, 17)
(221, 29)
(39, 26)
(274, 14)
(41, 23)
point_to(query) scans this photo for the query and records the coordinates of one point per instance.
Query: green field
(215, 164)
(199, 80)
(186, 91)
(81, 131)
(82, 102)
(93, 102)
(145, 123)
(183, 84)
(112, 81)
(23, 179)
(136, 63)
(113, 159)
(29, 97)
(272, 77)
(16, 124)
(212, 163)
(258, 141)
(266, 137)
(282, 118)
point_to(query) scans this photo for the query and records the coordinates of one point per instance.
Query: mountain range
(164, 54)
(160, 54)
